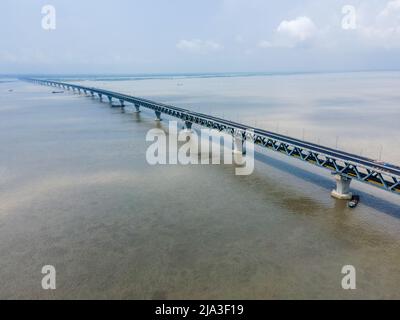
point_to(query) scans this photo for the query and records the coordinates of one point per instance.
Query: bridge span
(343, 165)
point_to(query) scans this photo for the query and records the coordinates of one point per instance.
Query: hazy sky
(159, 36)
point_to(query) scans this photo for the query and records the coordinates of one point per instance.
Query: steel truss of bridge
(345, 166)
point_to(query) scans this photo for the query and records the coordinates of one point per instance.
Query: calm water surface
(76, 192)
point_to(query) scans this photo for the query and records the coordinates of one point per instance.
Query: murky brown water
(76, 192)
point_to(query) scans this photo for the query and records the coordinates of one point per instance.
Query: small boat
(10, 90)
(354, 202)
(57, 92)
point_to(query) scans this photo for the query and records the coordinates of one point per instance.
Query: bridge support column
(122, 102)
(137, 108)
(238, 145)
(158, 116)
(92, 93)
(109, 99)
(188, 126)
(342, 190)
(100, 97)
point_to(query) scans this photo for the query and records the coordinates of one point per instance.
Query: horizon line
(194, 73)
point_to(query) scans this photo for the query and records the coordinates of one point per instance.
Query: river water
(77, 193)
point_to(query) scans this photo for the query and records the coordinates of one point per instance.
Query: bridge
(343, 165)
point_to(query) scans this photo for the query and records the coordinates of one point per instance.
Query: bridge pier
(238, 145)
(188, 127)
(100, 97)
(342, 190)
(137, 107)
(158, 116)
(122, 102)
(109, 99)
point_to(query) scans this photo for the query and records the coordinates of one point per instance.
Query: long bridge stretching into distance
(343, 165)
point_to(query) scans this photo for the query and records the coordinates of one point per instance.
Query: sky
(181, 36)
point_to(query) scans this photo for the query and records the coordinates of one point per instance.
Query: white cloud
(265, 44)
(198, 46)
(379, 28)
(385, 30)
(7, 57)
(392, 6)
(299, 29)
(292, 33)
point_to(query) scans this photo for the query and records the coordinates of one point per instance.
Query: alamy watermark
(349, 21)
(209, 147)
(349, 280)
(49, 280)
(49, 18)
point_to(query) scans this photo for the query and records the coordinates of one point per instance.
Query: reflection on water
(77, 193)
